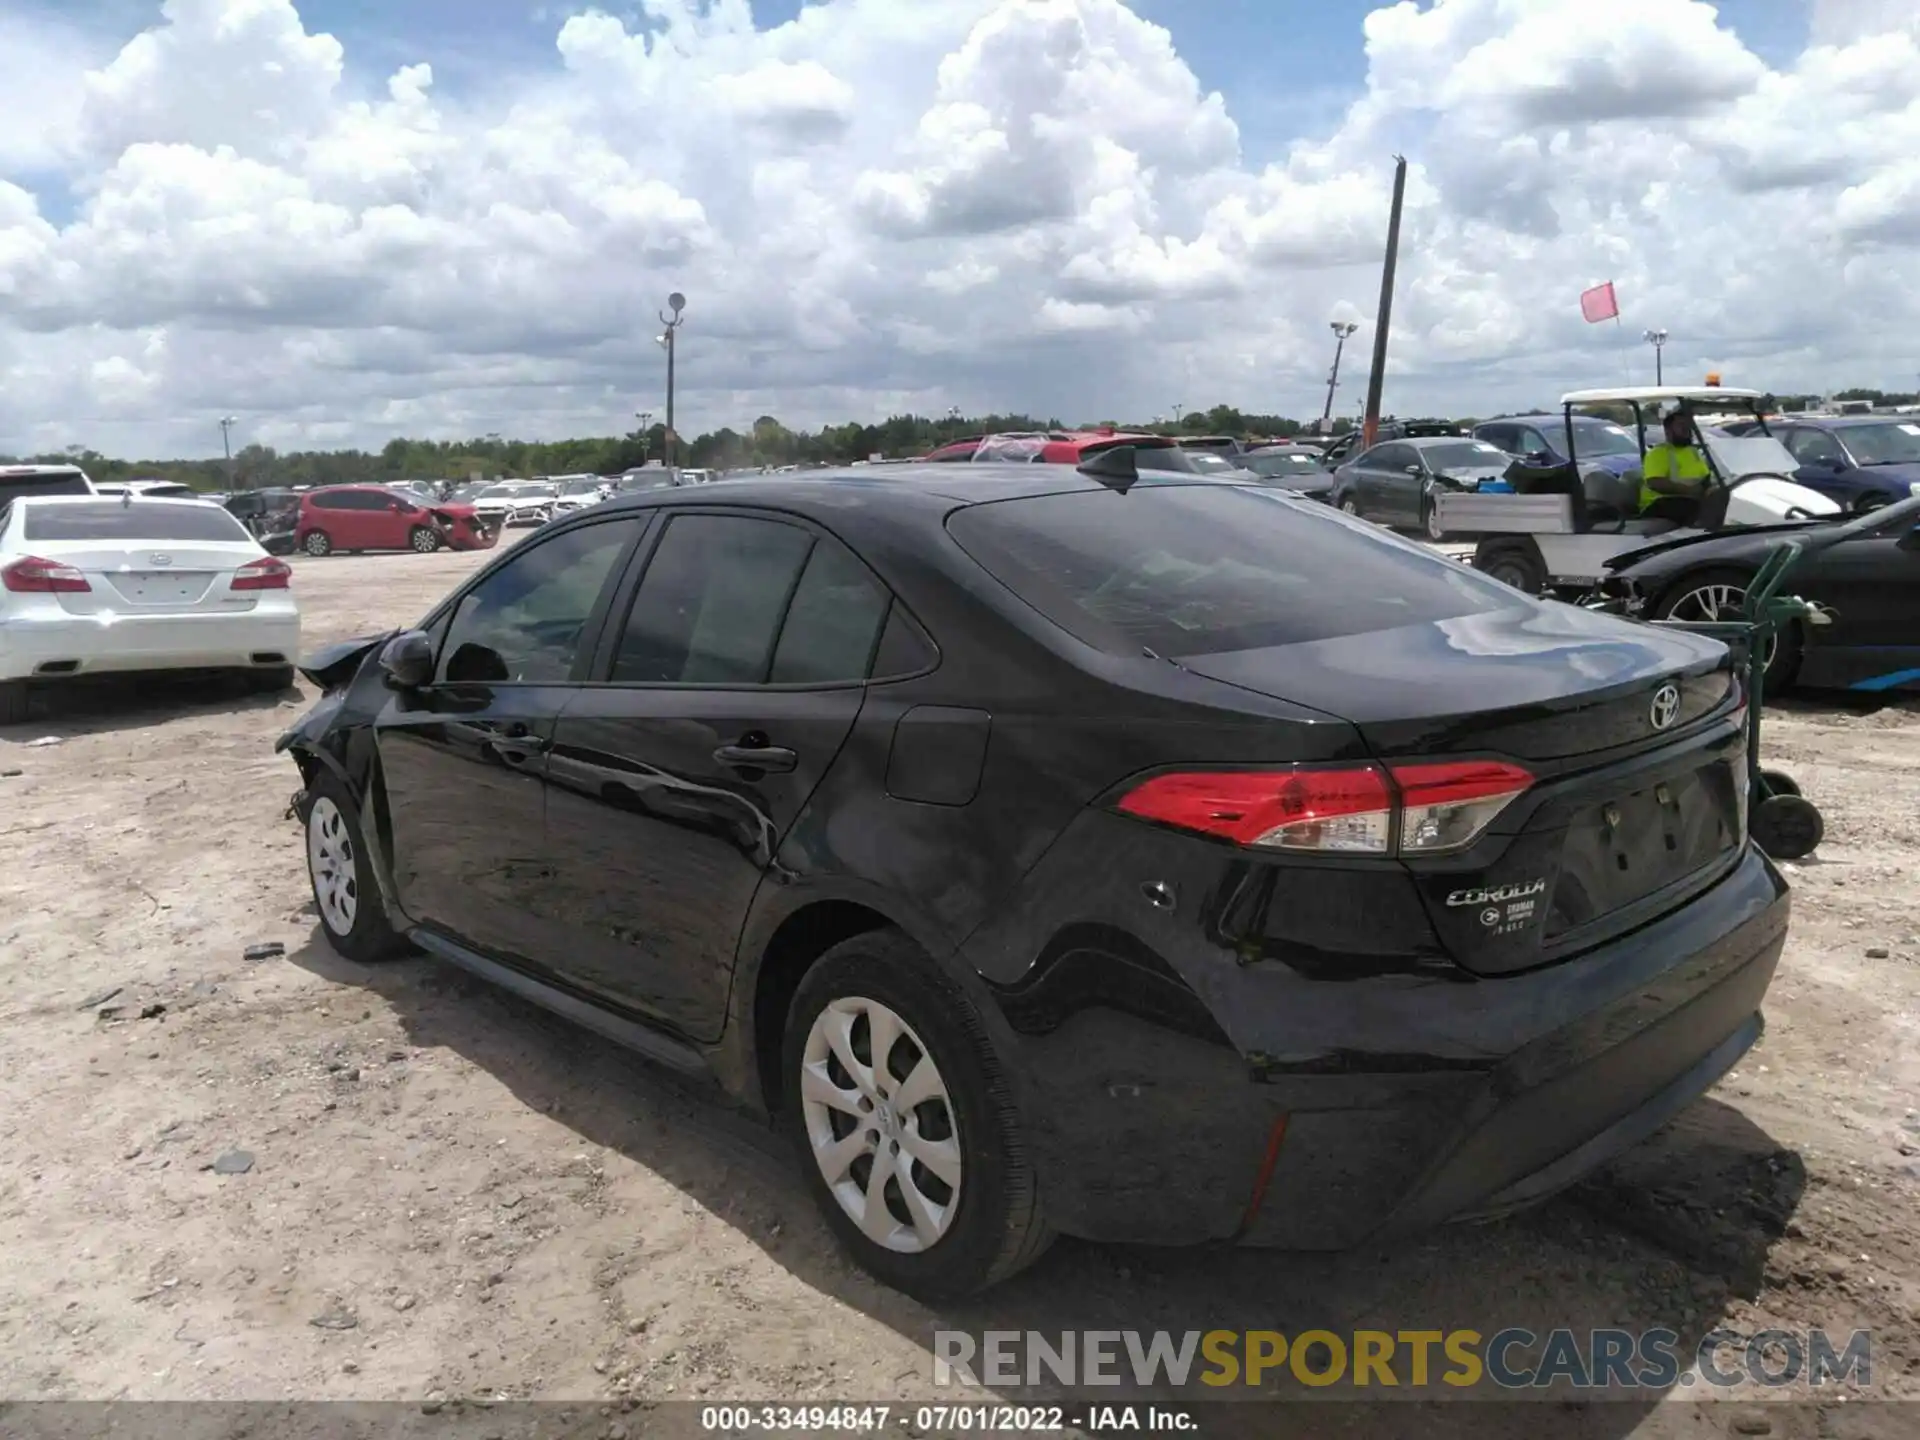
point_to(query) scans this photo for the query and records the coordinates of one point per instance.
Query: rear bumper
(86, 645)
(1396, 1101)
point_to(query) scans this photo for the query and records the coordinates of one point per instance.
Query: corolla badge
(1666, 707)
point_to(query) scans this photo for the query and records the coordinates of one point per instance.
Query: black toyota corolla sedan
(1133, 856)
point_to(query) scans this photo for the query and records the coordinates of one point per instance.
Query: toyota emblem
(1666, 707)
(160, 559)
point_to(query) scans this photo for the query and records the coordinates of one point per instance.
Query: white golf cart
(1555, 531)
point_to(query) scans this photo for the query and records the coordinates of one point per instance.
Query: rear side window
(111, 520)
(708, 608)
(833, 623)
(1196, 570)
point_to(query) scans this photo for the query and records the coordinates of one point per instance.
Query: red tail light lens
(1416, 809)
(30, 575)
(266, 573)
(1345, 810)
(1447, 806)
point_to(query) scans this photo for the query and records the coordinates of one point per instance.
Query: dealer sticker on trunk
(1504, 908)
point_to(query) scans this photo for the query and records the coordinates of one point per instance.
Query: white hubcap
(330, 863)
(881, 1124)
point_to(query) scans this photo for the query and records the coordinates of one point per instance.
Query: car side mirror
(408, 660)
(1415, 470)
(1537, 457)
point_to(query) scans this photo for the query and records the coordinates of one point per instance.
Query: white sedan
(92, 586)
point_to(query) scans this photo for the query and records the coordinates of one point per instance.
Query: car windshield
(580, 487)
(1200, 569)
(1896, 444)
(1601, 437)
(1180, 461)
(56, 482)
(1463, 454)
(538, 492)
(113, 520)
(497, 492)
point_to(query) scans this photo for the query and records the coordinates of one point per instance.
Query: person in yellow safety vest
(1673, 476)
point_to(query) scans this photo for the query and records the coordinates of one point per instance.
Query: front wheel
(1350, 506)
(345, 890)
(1513, 562)
(1866, 503)
(423, 540)
(905, 1122)
(1430, 519)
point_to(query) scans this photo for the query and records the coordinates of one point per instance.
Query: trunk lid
(152, 577)
(1631, 733)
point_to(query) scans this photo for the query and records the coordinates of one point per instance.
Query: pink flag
(1599, 304)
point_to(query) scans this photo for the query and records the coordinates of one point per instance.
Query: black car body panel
(1186, 1022)
(1871, 586)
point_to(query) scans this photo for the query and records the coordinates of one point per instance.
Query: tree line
(766, 443)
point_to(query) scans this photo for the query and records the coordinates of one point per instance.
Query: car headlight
(1914, 488)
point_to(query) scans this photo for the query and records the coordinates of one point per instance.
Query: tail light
(1415, 809)
(266, 573)
(30, 575)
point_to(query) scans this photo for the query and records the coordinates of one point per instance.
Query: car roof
(1844, 421)
(146, 502)
(1545, 419)
(908, 485)
(1425, 442)
(1653, 394)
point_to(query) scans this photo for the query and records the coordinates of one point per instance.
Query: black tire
(1349, 506)
(423, 540)
(1864, 503)
(1784, 664)
(317, 543)
(367, 937)
(998, 1227)
(1513, 562)
(1778, 782)
(271, 680)
(15, 699)
(1787, 827)
(1430, 520)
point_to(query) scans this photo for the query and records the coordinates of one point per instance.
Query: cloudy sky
(343, 220)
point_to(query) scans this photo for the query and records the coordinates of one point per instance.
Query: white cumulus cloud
(999, 204)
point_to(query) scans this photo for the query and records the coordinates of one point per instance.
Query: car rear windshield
(111, 520)
(1200, 569)
(1466, 453)
(60, 482)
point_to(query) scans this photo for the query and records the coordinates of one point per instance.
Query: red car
(372, 517)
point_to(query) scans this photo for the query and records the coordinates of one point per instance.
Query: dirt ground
(452, 1194)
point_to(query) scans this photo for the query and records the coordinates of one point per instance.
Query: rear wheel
(317, 542)
(1720, 596)
(14, 700)
(423, 539)
(1778, 782)
(345, 891)
(1864, 503)
(905, 1122)
(1350, 506)
(1513, 562)
(271, 680)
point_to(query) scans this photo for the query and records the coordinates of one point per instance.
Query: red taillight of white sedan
(31, 575)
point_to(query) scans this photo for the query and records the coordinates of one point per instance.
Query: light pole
(645, 417)
(1342, 329)
(676, 302)
(1658, 340)
(1179, 416)
(227, 422)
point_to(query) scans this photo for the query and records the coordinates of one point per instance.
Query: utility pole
(1383, 323)
(227, 422)
(676, 302)
(1341, 330)
(645, 417)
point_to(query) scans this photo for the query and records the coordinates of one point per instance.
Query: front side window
(524, 622)
(1815, 447)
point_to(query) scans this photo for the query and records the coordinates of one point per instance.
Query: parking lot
(453, 1194)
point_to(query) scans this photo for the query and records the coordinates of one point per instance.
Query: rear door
(725, 692)
(144, 556)
(464, 760)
